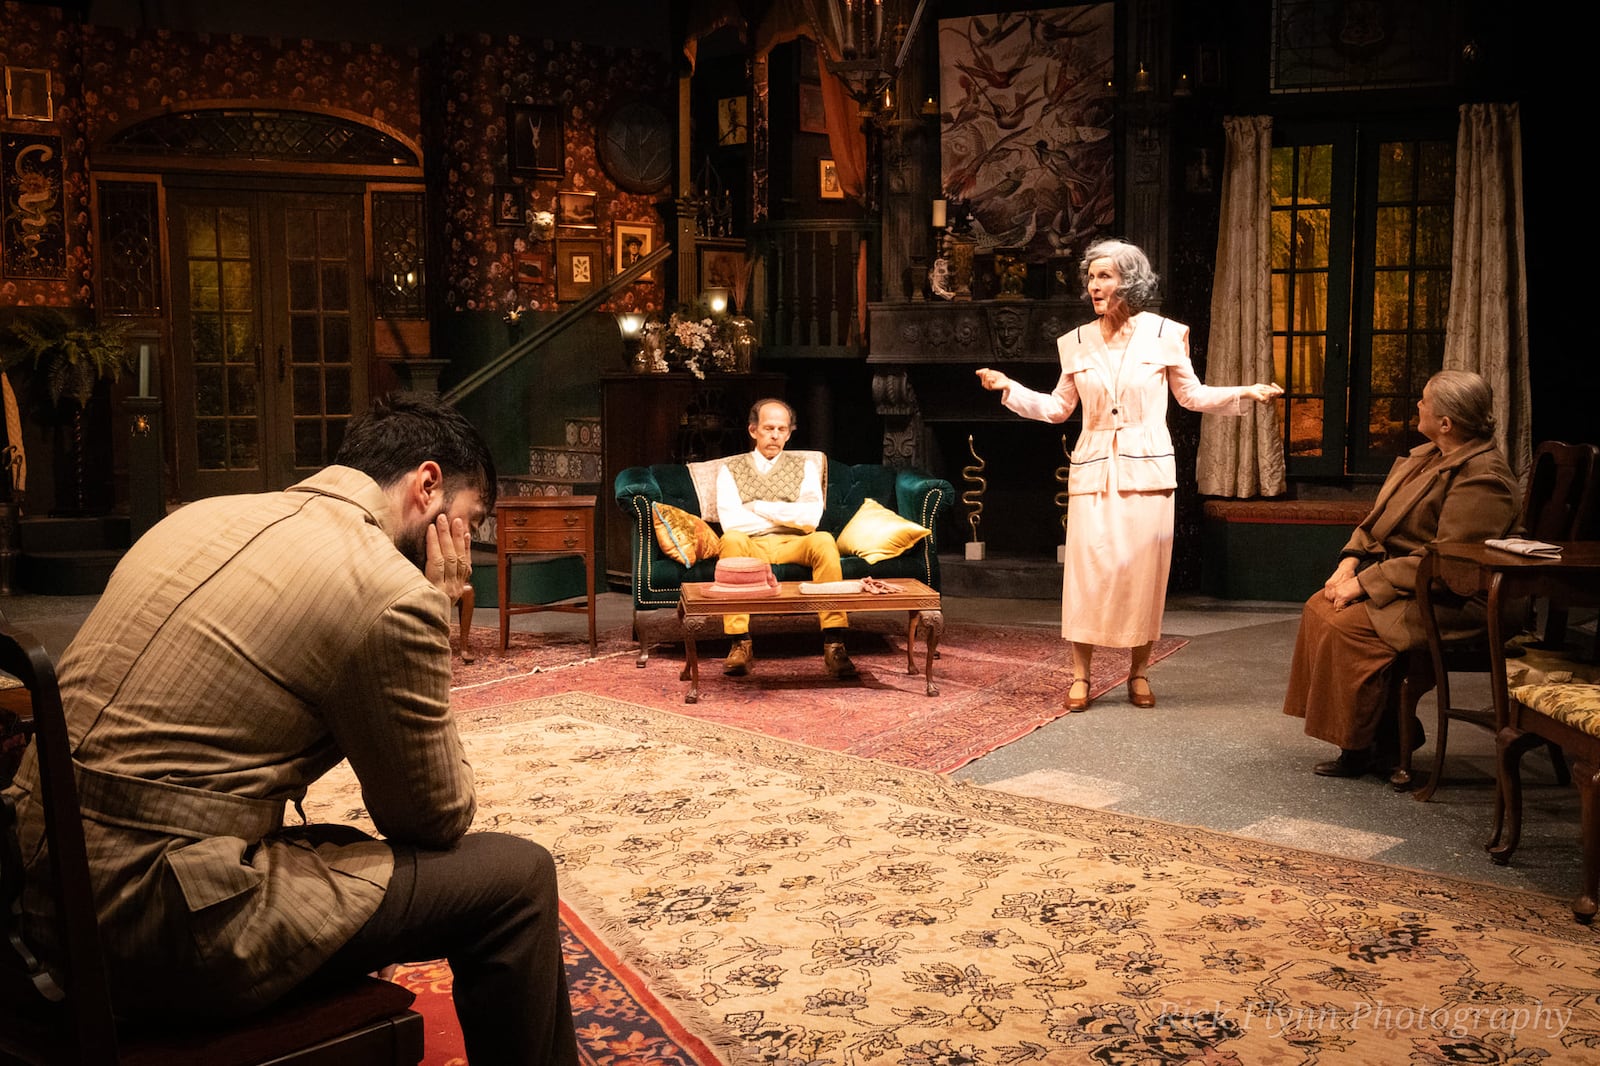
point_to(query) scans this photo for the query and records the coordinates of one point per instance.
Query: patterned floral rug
(812, 908)
(996, 683)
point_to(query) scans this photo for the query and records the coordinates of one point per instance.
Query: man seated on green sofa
(769, 504)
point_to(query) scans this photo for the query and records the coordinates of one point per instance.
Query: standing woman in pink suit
(1120, 512)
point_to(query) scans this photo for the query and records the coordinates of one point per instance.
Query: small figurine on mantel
(1012, 275)
(977, 550)
(939, 279)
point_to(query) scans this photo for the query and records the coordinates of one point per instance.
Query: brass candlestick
(973, 498)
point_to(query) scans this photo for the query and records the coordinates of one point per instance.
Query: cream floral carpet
(813, 909)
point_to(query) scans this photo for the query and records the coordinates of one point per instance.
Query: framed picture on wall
(578, 209)
(580, 267)
(630, 242)
(533, 141)
(812, 117)
(828, 187)
(533, 269)
(28, 94)
(733, 121)
(510, 205)
(722, 264)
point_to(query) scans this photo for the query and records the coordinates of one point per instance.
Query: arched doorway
(259, 227)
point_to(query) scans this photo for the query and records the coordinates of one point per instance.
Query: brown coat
(242, 648)
(1471, 495)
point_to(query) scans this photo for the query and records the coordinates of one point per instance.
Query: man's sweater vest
(782, 482)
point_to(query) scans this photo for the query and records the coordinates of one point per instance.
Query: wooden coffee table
(701, 615)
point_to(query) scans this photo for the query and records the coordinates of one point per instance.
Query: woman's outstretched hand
(1262, 393)
(992, 379)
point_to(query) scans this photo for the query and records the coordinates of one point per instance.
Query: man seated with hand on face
(245, 646)
(769, 503)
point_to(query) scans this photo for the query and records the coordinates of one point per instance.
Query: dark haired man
(243, 647)
(769, 503)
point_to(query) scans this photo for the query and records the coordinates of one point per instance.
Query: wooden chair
(1563, 495)
(1567, 714)
(63, 1016)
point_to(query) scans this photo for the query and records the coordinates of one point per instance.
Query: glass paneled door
(270, 337)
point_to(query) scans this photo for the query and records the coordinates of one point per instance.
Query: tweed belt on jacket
(176, 809)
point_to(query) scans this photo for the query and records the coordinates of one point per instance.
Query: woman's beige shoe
(1147, 698)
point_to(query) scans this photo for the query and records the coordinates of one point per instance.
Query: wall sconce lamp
(631, 325)
(716, 299)
(1182, 88)
(1141, 80)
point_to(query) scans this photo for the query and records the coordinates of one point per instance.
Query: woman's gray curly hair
(1139, 282)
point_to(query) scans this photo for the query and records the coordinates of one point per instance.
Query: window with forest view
(1361, 226)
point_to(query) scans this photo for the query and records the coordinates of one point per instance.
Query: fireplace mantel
(924, 352)
(970, 332)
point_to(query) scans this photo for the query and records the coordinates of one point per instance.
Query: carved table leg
(693, 628)
(933, 623)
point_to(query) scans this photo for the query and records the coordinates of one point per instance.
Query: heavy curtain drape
(1243, 456)
(1487, 330)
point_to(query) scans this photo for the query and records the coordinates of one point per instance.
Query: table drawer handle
(571, 542)
(572, 519)
(519, 520)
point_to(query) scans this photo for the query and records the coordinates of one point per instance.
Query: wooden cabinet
(668, 418)
(543, 525)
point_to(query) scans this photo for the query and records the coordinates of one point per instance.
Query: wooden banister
(488, 372)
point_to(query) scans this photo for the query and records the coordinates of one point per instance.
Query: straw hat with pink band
(743, 577)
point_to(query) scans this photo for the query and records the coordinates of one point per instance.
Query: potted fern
(64, 358)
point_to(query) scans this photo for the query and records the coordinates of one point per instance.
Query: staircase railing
(490, 370)
(810, 292)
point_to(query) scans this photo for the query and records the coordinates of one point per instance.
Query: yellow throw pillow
(877, 533)
(683, 536)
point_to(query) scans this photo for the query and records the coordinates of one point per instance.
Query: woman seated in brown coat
(1455, 487)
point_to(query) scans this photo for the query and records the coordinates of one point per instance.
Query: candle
(877, 23)
(144, 370)
(938, 214)
(849, 26)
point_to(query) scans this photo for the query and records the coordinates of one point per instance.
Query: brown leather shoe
(1147, 698)
(837, 661)
(1352, 762)
(1077, 703)
(740, 654)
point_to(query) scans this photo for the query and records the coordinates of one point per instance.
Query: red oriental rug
(619, 1020)
(996, 684)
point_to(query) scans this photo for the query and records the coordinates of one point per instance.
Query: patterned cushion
(685, 537)
(877, 533)
(1575, 704)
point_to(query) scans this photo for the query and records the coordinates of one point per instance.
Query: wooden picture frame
(630, 242)
(532, 269)
(722, 262)
(813, 117)
(534, 144)
(577, 210)
(28, 94)
(828, 187)
(510, 205)
(580, 267)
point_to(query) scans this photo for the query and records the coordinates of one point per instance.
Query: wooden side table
(548, 526)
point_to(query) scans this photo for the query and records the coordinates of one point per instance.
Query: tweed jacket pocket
(212, 871)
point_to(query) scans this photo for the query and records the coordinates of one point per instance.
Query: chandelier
(867, 42)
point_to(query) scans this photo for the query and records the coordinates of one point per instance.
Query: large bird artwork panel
(1025, 126)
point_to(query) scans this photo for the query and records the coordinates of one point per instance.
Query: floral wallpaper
(480, 77)
(129, 74)
(106, 78)
(39, 38)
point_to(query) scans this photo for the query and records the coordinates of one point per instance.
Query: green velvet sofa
(657, 577)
